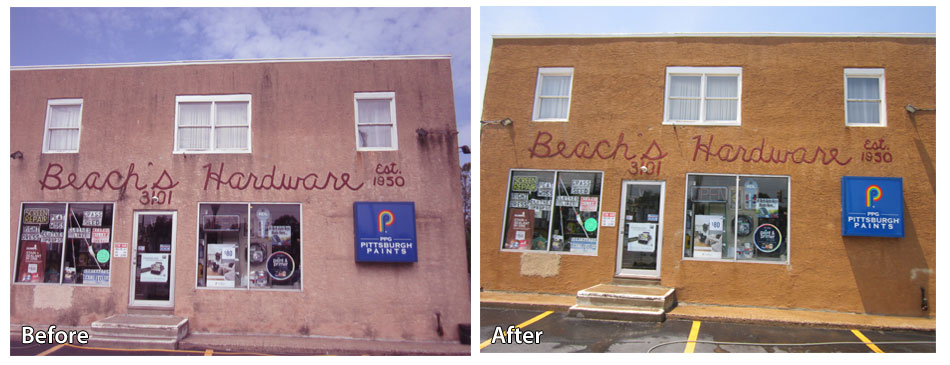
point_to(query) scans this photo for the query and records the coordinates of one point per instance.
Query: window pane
(554, 108)
(42, 230)
(88, 244)
(275, 246)
(530, 197)
(721, 109)
(63, 140)
(864, 112)
(576, 212)
(374, 111)
(722, 86)
(194, 114)
(64, 116)
(863, 88)
(230, 137)
(684, 109)
(194, 138)
(231, 113)
(375, 135)
(764, 206)
(222, 245)
(688, 86)
(555, 85)
(710, 209)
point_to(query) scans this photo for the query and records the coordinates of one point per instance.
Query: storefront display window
(253, 246)
(68, 243)
(736, 218)
(554, 211)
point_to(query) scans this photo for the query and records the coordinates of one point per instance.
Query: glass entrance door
(153, 265)
(641, 231)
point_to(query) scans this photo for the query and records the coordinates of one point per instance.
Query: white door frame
(134, 261)
(652, 274)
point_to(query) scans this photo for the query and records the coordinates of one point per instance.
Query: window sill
(879, 125)
(551, 252)
(57, 152)
(736, 261)
(550, 120)
(375, 149)
(705, 124)
(196, 152)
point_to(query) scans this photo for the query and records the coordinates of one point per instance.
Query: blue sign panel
(385, 231)
(872, 206)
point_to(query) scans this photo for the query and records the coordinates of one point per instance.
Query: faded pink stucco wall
(302, 122)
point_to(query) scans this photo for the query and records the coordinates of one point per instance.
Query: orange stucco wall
(792, 97)
(302, 123)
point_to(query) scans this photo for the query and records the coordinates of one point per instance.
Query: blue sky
(56, 36)
(580, 20)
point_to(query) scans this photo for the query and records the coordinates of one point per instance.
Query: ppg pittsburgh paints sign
(385, 231)
(872, 206)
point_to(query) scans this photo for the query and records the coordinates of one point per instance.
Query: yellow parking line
(50, 351)
(522, 325)
(867, 341)
(209, 352)
(693, 334)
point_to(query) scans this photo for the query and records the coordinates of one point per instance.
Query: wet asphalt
(565, 334)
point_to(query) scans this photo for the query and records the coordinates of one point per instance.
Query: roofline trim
(711, 35)
(234, 61)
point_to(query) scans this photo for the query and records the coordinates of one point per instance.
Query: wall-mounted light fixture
(504, 122)
(17, 155)
(913, 109)
(465, 149)
(422, 132)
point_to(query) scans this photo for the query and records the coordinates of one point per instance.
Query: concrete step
(139, 331)
(625, 313)
(612, 295)
(619, 280)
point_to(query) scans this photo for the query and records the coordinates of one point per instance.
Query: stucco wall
(792, 97)
(302, 123)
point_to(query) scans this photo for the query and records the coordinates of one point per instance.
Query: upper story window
(375, 121)
(552, 97)
(703, 95)
(213, 123)
(864, 97)
(63, 120)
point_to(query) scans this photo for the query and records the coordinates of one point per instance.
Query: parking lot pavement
(19, 349)
(559, 333)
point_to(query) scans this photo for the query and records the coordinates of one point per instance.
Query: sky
(57, 36)
(581, 20)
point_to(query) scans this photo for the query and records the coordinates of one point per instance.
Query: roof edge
(712, 35)
(234, 61)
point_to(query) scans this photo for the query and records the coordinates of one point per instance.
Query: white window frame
(704, 72)
(735, 218)
(869, 73)
(213, 99)
(248, 248)
(46, 128)
(392, 117)
(552, 71)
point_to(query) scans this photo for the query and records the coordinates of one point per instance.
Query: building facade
(726, 166)
(292, 196)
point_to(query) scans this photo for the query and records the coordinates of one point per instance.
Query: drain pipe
(438, 320)
(923, 300)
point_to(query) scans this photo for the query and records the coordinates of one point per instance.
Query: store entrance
(641, 231)
(153, 260)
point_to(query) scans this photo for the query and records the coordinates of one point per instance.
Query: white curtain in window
(722, 87)
(868, 110)
(194, 138)
(230, 137)
(64, 116)
(375, 135)
(555, 97)
(685, 87)
(64, 139)
(231, 113)
(374, 111)
(194, 114)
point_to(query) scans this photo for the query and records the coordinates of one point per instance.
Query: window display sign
(96, 277)
(385, 231)
(57, 221)
(153, 268)
(121, 249)
(641, 237)
(872, 206)
(520, 229)
(35, 216)
(79, 233)
(280, 266)
(709, 236)
(608, 219)
(588, 203)
(767, 238)
(583, 245)
(524, 183)
(100, 235)
(767, 208)
(279, 235)
(221, 265)
(32, 262)
(92, 218)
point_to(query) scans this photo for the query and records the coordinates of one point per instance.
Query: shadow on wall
(889, 272)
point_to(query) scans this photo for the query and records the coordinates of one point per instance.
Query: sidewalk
(300, 345)
(719, 313)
